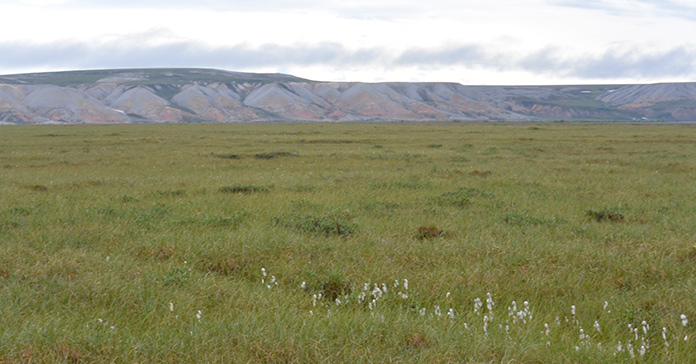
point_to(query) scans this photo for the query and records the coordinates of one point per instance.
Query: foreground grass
(294, 243)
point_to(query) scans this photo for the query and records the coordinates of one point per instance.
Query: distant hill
(195, 95)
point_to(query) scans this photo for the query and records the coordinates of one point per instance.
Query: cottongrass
(381, 302)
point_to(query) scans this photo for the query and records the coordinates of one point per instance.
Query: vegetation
(500, 243)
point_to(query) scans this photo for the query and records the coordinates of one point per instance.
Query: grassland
(294, 243)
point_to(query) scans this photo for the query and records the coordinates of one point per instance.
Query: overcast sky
(482, 42)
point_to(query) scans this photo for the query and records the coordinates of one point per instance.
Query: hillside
(205, 95)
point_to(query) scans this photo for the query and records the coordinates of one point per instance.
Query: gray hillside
(195, 95)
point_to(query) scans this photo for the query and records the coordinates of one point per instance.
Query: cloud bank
(614, 63)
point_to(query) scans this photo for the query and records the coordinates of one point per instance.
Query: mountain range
(208, 95)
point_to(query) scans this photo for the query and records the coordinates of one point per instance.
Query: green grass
(188, 243)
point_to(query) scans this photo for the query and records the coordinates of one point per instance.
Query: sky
(482, 42)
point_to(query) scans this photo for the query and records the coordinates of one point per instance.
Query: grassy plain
(149, 243)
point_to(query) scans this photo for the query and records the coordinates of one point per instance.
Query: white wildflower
(490, 304)
(477, 305)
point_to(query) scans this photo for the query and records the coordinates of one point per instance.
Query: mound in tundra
(206, 95)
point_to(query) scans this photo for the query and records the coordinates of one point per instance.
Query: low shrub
(326, 224)
(271, 155)
(227, 156)
(243, 189)
(173, 193)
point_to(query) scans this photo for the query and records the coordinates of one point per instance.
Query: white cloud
(467, 41)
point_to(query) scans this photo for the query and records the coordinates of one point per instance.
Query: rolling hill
(207, 95)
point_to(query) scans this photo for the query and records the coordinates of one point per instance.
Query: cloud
(127, 54)
(677, 62)
(649, 8)
(468, 55)
(143, 52)
(674, 8)
(611, 64)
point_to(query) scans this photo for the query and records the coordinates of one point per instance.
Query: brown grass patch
(38, 188)
(428, 232)
(477, 173)
(416, 341)
(221, 265)
(156, 253)
(70, 355)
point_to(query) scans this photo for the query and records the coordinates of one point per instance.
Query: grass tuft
(607, 214)
(428, 232)
(416, 341)
(461, 197)
(520, 219)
